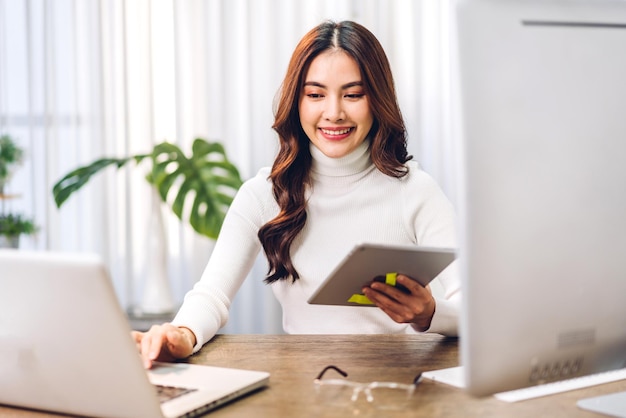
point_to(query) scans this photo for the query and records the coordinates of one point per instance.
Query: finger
(137, 337)
(396, 312)
(144, 348)
(177, 343)
(399, 306)
(158, 344)
(388, 303)
(152, 345)
(413, 286)
(389, 291)
(418, 302)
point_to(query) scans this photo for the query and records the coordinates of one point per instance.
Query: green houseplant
(12, 226)
(206, 177)
(11, 156)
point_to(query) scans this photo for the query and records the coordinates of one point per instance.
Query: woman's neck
(355, 162)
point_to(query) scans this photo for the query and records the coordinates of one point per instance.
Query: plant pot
(9, 241)
(156, 297)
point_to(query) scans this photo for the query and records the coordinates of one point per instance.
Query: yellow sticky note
(360, 299)
(390, 279)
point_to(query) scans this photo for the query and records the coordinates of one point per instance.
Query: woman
(342, 176)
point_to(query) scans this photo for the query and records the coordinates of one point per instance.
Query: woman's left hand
(415, 306)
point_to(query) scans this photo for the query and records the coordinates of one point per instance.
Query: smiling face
(334, 110)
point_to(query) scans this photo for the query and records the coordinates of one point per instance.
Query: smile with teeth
(336, 132)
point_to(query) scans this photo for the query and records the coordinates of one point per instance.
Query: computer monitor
(542, 136)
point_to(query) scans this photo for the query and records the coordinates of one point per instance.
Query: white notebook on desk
(613, 404)
(65, 346)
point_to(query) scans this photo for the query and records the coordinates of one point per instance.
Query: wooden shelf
(9, 196)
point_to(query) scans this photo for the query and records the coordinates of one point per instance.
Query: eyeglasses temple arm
(417, 379)
(335, 368)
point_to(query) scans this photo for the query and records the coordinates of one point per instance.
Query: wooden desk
(295, 360)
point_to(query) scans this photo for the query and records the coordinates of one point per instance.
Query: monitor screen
(542, 137)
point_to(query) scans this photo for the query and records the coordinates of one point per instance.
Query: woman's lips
(336, 134)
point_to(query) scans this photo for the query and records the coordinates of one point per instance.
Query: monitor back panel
(542, 130)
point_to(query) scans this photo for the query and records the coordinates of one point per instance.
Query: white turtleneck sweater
(350, 202)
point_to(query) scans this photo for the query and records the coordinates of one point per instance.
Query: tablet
(367, 262)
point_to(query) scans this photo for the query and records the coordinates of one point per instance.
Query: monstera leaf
(207, 180)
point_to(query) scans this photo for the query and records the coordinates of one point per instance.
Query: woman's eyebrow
(345, 86)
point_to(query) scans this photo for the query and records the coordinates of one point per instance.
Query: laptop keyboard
(167, 393)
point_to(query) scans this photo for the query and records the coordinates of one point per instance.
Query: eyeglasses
(385, 395)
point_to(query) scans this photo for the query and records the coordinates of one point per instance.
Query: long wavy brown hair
(291, 170)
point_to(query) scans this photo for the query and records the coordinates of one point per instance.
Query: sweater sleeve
(446, 318)
(447, 308)
(432, 218)
(206, 306)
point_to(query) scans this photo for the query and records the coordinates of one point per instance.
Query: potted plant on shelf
(12, 226)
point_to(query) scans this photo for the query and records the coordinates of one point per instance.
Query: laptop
(66, 347)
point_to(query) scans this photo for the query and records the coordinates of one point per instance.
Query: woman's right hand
(164, 343)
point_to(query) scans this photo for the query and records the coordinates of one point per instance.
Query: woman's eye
(355, 95)
(314, 95)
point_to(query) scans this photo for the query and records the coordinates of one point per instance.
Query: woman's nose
(333, 110)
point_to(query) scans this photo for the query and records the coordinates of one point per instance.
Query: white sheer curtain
(82, 79)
